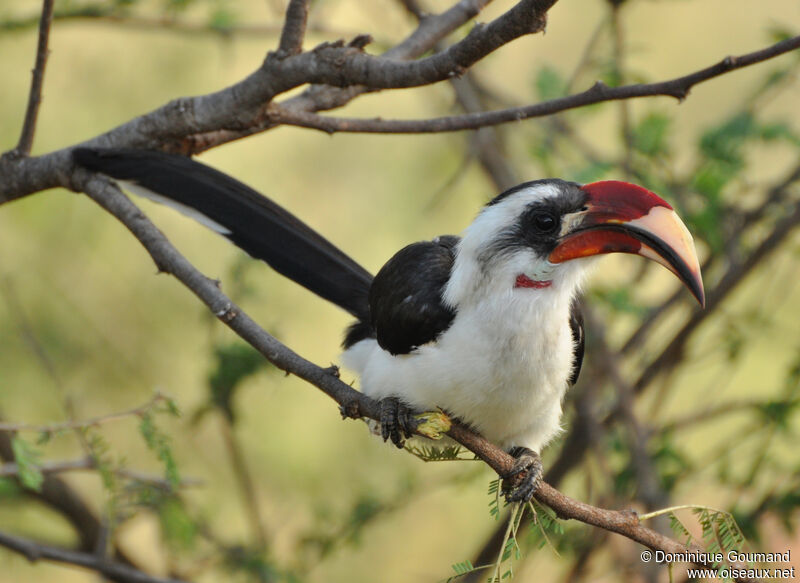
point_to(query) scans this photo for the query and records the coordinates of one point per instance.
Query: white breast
(502, 367)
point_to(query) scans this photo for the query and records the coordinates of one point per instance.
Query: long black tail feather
(251, 221)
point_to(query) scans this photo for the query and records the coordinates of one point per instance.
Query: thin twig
(678, 88)
(36, 551)
(11, 469)
(649, 490)
(709, 413)
(294, 28)
(84, 423)
(35, 96)
(621, 74)
(241, 472)
(103, 14)
(487, 142)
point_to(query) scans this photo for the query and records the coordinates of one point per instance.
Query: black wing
(405, 300)
(576, 325)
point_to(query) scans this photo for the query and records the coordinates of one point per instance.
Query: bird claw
(529, 464)
(397, 421)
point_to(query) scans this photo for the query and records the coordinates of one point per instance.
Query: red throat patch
(525, 281)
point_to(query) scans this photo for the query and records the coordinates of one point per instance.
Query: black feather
(256, 224)
(578, 339)
(406, 307)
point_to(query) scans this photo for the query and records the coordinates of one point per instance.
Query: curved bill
(619, 217)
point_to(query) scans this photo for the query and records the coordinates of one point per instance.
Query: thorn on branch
(332, 370)
(681, 94)
(539, 24)
(226, 314)
(350, 409)
(730, 62)
(360, 41)
(632, 516)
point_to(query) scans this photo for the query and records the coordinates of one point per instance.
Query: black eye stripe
(538, 225)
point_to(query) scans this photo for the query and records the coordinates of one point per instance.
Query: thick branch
(37, 80)
(35, 551)
(678, 88)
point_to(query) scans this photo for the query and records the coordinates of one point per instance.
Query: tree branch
(11, 469)
(294, 28)
(35, 551)
(35, 96)
(103, 13)
(678, 88)
(85, 423)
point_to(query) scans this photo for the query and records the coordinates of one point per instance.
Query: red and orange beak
(620, 217)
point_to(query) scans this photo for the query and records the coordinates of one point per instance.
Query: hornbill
(485, 326)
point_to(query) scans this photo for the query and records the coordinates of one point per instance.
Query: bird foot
(522, 488)
(397, 421)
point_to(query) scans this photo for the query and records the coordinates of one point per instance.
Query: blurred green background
(86, 323)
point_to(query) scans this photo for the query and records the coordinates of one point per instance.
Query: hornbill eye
(544, 222)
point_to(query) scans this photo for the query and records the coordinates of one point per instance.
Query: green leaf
(650, 136)
(234, 363)
(9, 488)
(778, 412)
(435, 453)
(592, 172)
(177, 526)
(550, 84)
(619, 300)
(101, 454)
(778, 34)
(27, 459)
(779, 131)
(222, 18)
(158, 443)
(724, 142)
(463, 567)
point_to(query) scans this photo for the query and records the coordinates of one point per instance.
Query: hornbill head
(532, 234)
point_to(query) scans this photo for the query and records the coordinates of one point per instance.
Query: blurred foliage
(721, 423)
(234, 363)
(217, 15)
(27, 458)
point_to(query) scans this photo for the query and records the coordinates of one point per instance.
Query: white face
(492, 254)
